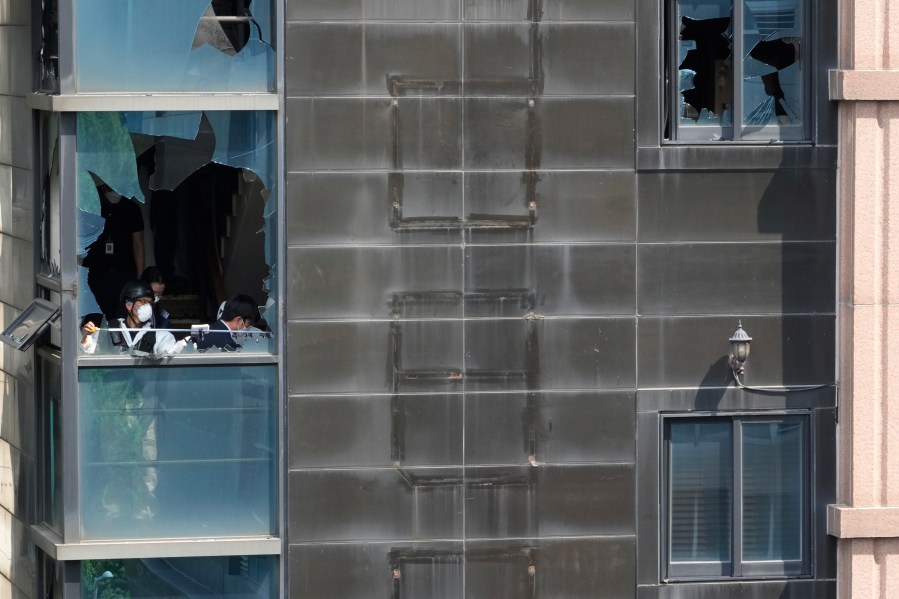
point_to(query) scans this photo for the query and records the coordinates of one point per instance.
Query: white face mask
(144, 313)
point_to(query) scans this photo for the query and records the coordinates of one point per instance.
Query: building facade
(500, 247)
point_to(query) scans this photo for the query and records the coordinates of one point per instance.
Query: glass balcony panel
(177, 452)
(49, 366)
(174, 46)
(228, 577)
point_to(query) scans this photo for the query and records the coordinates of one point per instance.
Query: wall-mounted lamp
(739, 349)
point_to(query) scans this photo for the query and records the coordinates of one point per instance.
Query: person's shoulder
(219, 325)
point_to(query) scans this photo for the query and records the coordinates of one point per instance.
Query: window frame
(654, 153)
(737, 568)
(736, 132)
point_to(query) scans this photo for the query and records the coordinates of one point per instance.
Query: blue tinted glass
(772, 79)
(177, 452)
(700, 480)
(704, 62)
(229, 577)
(772, 490)
(173, 46)
(51, 381)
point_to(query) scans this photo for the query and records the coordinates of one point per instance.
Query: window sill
(115, 102)
(807, 587)
(728, 156)
(54, 546)
(211, 358)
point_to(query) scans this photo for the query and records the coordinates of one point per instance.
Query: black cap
(135, 289)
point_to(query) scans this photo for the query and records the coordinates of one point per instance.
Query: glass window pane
(773, 479)
(174, 46)
(229, 577)
(177, 452)
(772, 78)
(50, 392)
(700, 481)
(704, 63)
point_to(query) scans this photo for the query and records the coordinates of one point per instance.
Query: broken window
(737, 70)
(48, 54)
(174, 46)
(48, 225)
(191, 193)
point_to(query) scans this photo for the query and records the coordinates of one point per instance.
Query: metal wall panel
(549, 501)
(16, 264)
(692, 351)
(357, 10)
(17, 413)
(375, 504)
(578, 568)
(570, 133)
(15, 138)
(364, 570)
(574, 59)
(787, 204)
(16, 210)
(346, 283)
(482, 285)
(15, 70)
(577, 427)
(353, 209)
(326, 58)
(376, 430)
(742, 278)
(566, 279)
(553, 10)
(348, 134)
(14, 12)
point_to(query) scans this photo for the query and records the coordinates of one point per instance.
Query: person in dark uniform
(153, 276)
(240, 312)
(117, 256)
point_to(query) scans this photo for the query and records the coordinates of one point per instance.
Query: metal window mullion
(737, 70)
(670, 36)
(807, 506)
(665, 487)
(737, 501)
(69, 404)
(66, 45)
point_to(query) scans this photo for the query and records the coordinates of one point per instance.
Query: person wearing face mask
(117, 256)
(132, 332)
(153, 276)
(239, 313)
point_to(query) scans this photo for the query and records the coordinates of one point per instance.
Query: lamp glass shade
(740, 350)
(739, 344)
